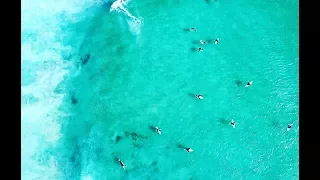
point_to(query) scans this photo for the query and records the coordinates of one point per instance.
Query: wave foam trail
(43, 69)
(118, 6)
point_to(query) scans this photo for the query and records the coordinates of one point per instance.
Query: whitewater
(97, 74)
(50, 59)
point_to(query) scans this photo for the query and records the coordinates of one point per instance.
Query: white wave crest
(134, 22)
(43, 69)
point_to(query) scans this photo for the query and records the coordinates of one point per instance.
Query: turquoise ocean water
(79, 118)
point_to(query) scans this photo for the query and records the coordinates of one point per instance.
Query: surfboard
(250, 84)
(199, 96)
(234, 124)
(288, 129)
(190, 150)
(158, 130)
(122, 164)
(216, 41)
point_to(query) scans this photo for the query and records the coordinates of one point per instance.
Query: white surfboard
(193, 29)
(288, 129)
(234, 124)
(158, 130)
(216, 41)
(250, 84)
(190, 150)
(199, 96)
(122, 164)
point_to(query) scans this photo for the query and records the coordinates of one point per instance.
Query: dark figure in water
(122, 164)
(158, 130)
(200, 49)
(249, 84)
(233, 123)
(199, 96)
(85, 59)
(193, 29)
(74, 100)
(216, 41)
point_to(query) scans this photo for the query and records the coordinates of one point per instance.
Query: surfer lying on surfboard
(249, 84)
(199, 96)
(122, 164)
(216, 41)
(188, 149)
(233, 123)
(158, 130)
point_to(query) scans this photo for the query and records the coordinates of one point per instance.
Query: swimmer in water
(188, 149)
(233, 123)
(122, 164)
(193, 29)
(216, 41)
(249, 84)
(158, 130)
(289, 127)
(203, 42)
(200, 49)
(199, 96)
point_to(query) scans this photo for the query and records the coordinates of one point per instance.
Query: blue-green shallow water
(139, 77)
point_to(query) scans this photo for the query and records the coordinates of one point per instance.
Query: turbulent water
(97, 76)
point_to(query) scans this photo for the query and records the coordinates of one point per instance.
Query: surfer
(233, 123)
(188, 149)
(249, 84)
(216, 41)
(199, 96)
(193, 29)
(289, 127)
(158, 130)
(200, 49)
(202, 42)
(122, 164)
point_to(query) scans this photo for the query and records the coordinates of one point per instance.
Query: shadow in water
(115, 159)
(74, 100)
(275, 123)
(118, 138)
(186, 29)
(84, 60)
(193, 49)
(210, 41)
(239, 83)
(180, 146)
(224, 121)
(152, 128)
(192, 95)
(196, 42)
(210, 1)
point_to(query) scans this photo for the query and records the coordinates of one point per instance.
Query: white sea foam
(134, 22)
(43, 68)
